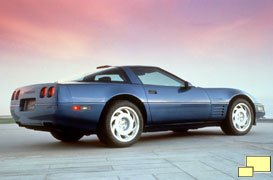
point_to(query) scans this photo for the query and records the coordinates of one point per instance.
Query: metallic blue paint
(169, 105)
(177, 105)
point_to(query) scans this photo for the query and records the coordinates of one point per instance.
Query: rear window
(113, 75)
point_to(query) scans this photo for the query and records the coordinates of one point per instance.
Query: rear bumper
(43, 113)
(46, 117)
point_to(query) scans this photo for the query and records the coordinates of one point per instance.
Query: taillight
(13, 95)
(17, 95)
(51, 91)
(43, 92)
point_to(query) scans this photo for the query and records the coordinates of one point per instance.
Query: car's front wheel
(239, 119)
(66, 136)
(122, 124)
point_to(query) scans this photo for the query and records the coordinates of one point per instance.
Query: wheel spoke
(118, 134)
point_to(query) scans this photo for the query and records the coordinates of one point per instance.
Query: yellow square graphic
(259, 163)
(245, 171)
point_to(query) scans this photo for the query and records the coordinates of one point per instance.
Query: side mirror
(186, 85)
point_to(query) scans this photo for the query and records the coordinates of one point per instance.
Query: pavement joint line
(114, 174)
(48, 171)
(265, 120)
(155, 177)
(155, 153)
(20, 174)
(223, 157)
(46, 176)
(187, 148)
(247, 142)
(251, 144)
(217, 170)
(257, 147)
(82, 170)
(181, 169)
(268, 174)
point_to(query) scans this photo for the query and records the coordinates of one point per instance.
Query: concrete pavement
(199, 154)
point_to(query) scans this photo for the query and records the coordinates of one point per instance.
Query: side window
(109, 77)
(155, 76)
(114, 75)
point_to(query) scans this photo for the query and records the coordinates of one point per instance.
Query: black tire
(106, 129)
(228, 126)
(180, 130)
(67, 136)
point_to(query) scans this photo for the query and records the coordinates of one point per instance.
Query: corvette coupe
(119, 103)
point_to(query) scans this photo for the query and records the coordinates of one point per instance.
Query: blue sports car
(119, 103)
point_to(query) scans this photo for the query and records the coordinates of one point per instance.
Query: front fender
(226, 95)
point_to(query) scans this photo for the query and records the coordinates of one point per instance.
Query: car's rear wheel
(67, 136)
(239, 119)
(122, 124)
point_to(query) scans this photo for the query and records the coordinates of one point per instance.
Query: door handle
(152, 92)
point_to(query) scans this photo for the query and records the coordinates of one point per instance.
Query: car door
(169, 98)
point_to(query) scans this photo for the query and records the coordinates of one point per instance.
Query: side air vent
(218, 110)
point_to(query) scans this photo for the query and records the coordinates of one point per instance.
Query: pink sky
(44, 41)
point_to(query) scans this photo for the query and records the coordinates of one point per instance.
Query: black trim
(177, 126)
(48, 127)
